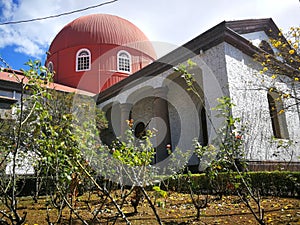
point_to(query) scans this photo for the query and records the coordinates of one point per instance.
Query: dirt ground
(176, 209)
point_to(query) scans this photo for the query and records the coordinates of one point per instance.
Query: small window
(83, 60)
(277, 115)
(50, 67)
(124, 62)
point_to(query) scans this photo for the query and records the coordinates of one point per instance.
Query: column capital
(161, 92)
(125, 106)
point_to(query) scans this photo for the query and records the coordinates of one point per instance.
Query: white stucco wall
(215, 85)
(225, 71)
(248, 90)
(183, 115)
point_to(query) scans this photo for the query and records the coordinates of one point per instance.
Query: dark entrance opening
(140, 130)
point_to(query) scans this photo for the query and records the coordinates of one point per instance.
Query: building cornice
(228, 32)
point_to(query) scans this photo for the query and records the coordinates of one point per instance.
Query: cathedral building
(110, 58)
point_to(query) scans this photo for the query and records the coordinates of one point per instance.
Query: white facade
(225, 68)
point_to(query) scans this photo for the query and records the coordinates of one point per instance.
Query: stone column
(125, 113)
(161, 113)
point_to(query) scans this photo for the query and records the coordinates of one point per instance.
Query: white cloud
(172, 21)
(33, 38)
(7, 8)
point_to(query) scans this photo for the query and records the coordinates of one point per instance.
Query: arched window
(124, 62)
(277, 115)
(83, 60)
(50, 67)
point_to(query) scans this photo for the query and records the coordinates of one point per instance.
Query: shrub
(275, 183)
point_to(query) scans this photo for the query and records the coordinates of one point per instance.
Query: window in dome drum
(124, 62)
(83, 60)
(50, 67)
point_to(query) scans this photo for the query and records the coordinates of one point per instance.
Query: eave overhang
(228, 32)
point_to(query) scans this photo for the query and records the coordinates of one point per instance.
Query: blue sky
(171, 22)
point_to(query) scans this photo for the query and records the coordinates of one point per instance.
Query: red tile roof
(15, 76)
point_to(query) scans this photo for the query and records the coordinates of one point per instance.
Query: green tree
(228, 153)
(18, 138)
(133, 162)
(230, 159)
(62, 140)
(280, 60)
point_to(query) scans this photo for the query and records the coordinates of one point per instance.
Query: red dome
(103, 37)
(101, 29)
